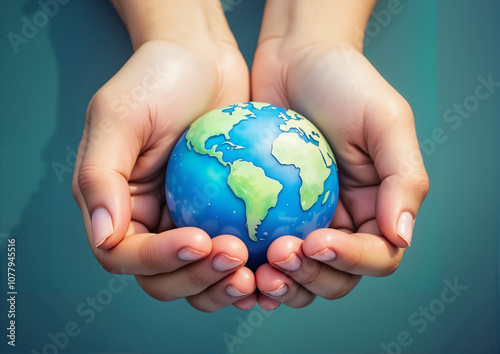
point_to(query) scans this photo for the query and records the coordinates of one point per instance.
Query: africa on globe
(255, 171)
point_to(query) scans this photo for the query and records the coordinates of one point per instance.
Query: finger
(149, 254)
(102, 174)
(267, 303)
(360, 253)
(280, 288)
(247, 302)
(147, 209)
(228, 254)
(320, 279)
(341, 219)
(393, 146)
(233, 288)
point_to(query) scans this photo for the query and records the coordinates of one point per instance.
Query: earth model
(255, 171)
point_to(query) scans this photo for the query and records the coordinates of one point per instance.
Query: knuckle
(106, 263)
(195, 277)
(422, 185)
(338, 293)
(393, 109)
(88, 178)
(148, 257)
(400, 107)
(309, 272)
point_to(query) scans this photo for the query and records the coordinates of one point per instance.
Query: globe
(255, 171)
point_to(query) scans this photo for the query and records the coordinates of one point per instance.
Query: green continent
(290, 149)
(259, 192)
(293, 120)
(214, 123)
(325, 198)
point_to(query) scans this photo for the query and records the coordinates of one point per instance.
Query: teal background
(433, 52)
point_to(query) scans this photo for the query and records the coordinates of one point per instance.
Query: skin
(124, 171)
(309, 60)
(312, 62)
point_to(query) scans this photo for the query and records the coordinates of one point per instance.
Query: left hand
(383, 181)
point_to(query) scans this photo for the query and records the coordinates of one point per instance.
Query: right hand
(131, 126)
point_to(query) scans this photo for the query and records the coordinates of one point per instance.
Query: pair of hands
(134, 120)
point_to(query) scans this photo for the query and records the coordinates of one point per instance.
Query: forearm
(183, 21)
(309, 21)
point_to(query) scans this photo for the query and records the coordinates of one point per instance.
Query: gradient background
(433, 52)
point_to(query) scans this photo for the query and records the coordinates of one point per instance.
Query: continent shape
(259, 192)
(311, 155)
(213, 125)
(304, 127)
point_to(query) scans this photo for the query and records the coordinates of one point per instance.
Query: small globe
(255, 171)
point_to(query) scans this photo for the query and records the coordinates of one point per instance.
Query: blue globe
(255, 171)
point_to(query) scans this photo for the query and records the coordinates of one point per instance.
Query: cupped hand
(383, 182)
(131, 126)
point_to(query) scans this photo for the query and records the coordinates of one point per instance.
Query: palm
(132, 124)
(338, 89)
(371, 130)
(161, 90)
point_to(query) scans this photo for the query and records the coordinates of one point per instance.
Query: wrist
(187, 22)
(305, 22)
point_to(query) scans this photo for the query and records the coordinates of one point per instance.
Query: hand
(382, 178)
(131, 126)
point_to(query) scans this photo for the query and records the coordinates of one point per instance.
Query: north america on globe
(255, 171)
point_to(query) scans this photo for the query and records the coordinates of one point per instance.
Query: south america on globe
(255, 171)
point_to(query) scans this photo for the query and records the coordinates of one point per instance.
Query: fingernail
(325, 255)
(292, 263)
(223, 262)
(278, 292)
(102, 226)
(231, 290)
(404, 227)
(189, 254)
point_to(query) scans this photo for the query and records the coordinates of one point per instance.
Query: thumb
(100, 183)
(393, 145)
